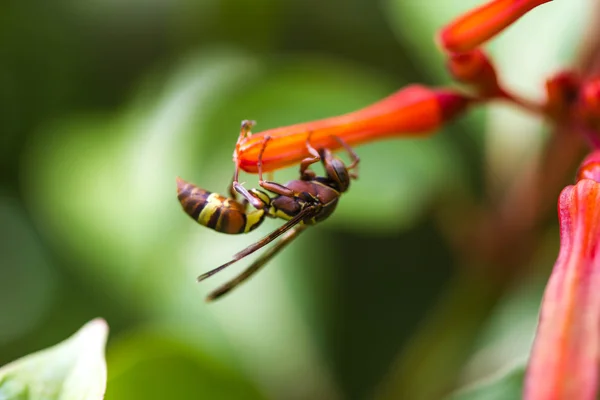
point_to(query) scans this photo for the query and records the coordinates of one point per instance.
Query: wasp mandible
(302, 202)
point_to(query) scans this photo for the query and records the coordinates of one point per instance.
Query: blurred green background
(104, 103)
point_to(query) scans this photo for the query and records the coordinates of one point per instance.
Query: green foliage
(149, 366)
(27, 291)
(72, 370)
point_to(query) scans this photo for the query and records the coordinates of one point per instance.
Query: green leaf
(149, 365)
(508, 385)
(72, 370)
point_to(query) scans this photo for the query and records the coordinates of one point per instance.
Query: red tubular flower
(474, 28)
(565, 357)
(412, 111)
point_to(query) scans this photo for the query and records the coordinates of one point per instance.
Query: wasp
(301, 202)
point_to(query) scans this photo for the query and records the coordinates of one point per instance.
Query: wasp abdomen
(215, 211)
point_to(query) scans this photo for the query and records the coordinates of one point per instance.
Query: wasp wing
(263, 242)
(258, 264)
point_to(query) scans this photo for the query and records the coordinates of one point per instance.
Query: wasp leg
(271, 186)
(257, 265)
(274, 187)
(256, 202)
(231, 190)
(235, 187)
(306, 174)
(244, 133)
(355, 159)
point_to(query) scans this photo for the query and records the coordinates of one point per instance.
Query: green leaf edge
(19, 376)
(499, 386)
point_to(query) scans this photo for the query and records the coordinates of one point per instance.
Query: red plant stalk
(412, 111)
(565, 357)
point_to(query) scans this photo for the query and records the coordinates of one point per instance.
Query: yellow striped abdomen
(215, 211)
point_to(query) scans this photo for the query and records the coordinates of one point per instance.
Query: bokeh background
(104, 103)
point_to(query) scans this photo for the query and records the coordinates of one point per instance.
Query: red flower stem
(522, 102)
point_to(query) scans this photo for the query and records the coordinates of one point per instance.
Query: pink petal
(564, 360)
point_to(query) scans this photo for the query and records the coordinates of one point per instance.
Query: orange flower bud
(412, 111)
(475, 68)
(474, 28)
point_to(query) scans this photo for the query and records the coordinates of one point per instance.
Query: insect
(302, 202)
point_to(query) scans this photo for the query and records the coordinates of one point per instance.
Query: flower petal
(590, 168)
(564, 360)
